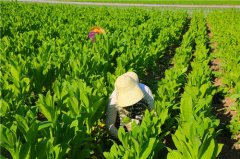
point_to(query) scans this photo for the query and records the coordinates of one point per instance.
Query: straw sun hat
(133, 75)
(128, 91)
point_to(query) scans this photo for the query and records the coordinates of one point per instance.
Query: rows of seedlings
(196, 133)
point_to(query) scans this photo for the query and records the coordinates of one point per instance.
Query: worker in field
(127, 103)
(94, 31)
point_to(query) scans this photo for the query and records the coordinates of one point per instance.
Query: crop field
(55, 83)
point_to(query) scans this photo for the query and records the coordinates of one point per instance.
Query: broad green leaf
(8, 140)
(114, 150)
(44, 107)
(121, 133)
(148, 148)
(74, 105)
(203, 89)
(44, 124)
(235, 96)
(85, 100)
(4, 108)
(174, 154)
(219, 148)
(186, 107)
(22, 124)
(209, 151)
(14, 72)
(176, 142)
(136, 147)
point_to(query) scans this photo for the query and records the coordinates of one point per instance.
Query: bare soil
(222, 105)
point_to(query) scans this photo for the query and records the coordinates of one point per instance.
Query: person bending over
(127, 103)
(94, 31)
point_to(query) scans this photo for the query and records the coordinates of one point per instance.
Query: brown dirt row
(222, 105)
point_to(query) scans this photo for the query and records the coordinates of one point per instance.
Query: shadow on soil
(228, 150)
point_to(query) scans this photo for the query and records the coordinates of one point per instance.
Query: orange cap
(97, 30)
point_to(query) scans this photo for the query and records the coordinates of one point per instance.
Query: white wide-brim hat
(133, 75)
(128, 91)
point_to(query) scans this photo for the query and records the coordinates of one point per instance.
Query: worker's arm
(111, 116)
(148, 97)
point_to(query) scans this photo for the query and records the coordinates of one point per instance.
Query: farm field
(55, 83)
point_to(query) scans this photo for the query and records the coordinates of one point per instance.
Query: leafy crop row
(195, 136)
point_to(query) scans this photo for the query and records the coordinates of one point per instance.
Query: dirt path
(133, 5)
(231, 149)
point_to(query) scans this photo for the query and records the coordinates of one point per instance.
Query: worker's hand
(129, 126)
